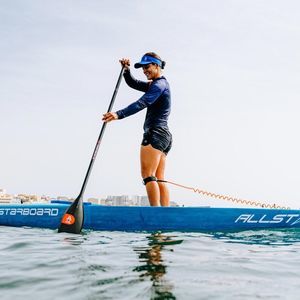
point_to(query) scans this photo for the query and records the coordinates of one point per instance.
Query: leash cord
(227, 198)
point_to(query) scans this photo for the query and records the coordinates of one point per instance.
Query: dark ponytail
(153, 54)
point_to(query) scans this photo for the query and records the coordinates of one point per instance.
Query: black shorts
(159, 138)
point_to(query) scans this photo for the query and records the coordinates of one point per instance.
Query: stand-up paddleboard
(131, 218)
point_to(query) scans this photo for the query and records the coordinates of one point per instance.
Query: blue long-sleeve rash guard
(157, 99)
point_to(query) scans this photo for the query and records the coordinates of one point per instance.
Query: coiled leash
(226, 198)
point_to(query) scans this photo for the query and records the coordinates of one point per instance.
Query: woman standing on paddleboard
(157, 139)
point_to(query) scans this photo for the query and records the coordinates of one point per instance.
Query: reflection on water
(280, 237)
(74, 240)
(115, 265)
(153, 265)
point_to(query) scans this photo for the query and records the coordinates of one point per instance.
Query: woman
(157, 139)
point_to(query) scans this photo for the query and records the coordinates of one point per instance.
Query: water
(42, 264)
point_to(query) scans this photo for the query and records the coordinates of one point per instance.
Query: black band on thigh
(148, 179)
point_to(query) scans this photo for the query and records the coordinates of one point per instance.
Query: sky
(234, 71)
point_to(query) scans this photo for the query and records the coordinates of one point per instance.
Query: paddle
(72, 220)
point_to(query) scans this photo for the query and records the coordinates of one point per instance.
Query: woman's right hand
(109, 116)
(125, 62)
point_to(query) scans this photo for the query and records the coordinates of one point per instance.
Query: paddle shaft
(100, 136)
(73, 218)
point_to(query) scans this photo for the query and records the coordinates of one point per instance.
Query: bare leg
(160, 174)
(150, 159)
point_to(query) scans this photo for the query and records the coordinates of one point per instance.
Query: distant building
(173, 204)
(45, 198)
(63, 198)
(5, 198)
(140, 200)
(125, 200)
(121, 200)
(94, 200)
(26, 198)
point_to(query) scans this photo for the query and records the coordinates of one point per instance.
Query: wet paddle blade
(72, 220)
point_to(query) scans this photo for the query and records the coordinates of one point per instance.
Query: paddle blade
(72, 220)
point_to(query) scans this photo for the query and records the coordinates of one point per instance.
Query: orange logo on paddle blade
(68, 219)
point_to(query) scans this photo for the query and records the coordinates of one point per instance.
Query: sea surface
(42, 264)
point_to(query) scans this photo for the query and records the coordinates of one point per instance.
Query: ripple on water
(115, 265)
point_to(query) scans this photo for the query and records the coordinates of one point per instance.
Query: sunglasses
(146, 67)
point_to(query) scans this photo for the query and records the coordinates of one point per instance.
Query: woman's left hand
(110, 116)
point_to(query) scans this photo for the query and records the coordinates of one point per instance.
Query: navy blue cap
(146, 60)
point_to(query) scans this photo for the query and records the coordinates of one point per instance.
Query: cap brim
(140, 64)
